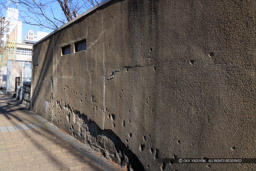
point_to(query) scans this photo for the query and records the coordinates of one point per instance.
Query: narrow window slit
(80, 46)
(66, 50)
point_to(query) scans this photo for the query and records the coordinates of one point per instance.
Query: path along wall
(158, 79)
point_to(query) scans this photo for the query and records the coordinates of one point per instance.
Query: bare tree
(52, 14)
(3, 25)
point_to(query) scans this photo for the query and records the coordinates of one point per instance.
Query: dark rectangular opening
(80, 46)
(66, 50)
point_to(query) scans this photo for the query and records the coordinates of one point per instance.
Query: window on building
(81, 45)
(27, 52)
(66, 50)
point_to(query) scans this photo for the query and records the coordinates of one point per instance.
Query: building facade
(32, 37)
(15, 55)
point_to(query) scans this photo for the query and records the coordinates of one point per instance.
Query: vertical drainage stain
(104, 89)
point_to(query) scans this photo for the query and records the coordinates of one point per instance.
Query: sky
(26, 27)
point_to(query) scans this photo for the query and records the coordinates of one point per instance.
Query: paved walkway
(28, 142)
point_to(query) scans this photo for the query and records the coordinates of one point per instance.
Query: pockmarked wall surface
(158, 81)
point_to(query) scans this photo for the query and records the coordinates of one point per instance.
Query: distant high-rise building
(13, 26)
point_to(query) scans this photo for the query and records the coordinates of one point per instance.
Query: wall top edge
(74, 20)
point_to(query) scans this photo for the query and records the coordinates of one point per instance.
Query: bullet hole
(151, 150)
(148, 166)
(211, 54)
(130, 121)
(81, 100)
(144, 138)
(93, 99)
(191, 62)
(141, 45)
(126, 140)
(123, 124)
(130, 135)
(113, 117)
(209, 166)
(154, 69)
(122, 90)
(163, 167)
(127, 69)
(233, 148)
(109, 116)
(129, 111)
(175, 156)
(149, 97)
(157, 154)
(150, 50)
(178, 142)
(120, 96)
(68, 118)
(142, 146)
(114, 125)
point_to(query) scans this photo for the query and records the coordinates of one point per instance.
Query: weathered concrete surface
(159, 79)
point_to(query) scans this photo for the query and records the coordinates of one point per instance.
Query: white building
(32, 37)
(24, 52)
(12, 23)
(15, 61)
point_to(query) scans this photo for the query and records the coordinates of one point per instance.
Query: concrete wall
(159, 79)
(14, 69)
(3, 76)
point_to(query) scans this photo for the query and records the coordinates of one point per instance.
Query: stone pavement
(28, 142)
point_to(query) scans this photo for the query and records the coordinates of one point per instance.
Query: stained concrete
(159, 79)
